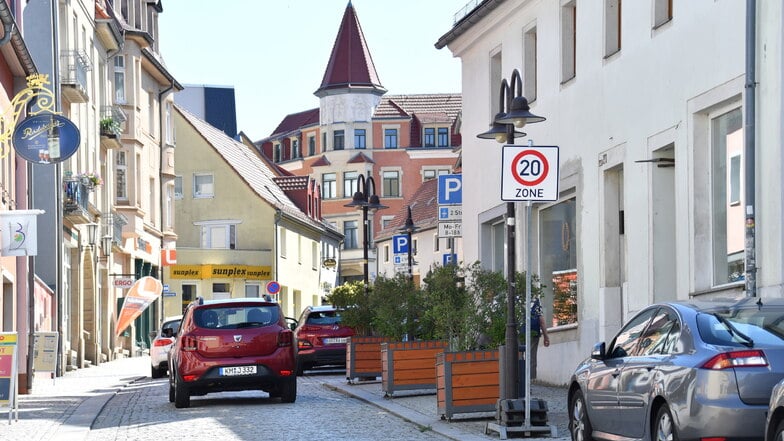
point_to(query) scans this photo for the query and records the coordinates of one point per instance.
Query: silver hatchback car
(682, 370)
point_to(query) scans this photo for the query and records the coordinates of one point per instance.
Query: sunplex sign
(246, 272)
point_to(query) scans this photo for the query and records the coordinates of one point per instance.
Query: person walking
(538, 329)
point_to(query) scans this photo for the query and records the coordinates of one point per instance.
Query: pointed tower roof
(350, 66)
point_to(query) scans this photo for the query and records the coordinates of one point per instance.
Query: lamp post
(513, 113)
(409, 228)
(365, 199)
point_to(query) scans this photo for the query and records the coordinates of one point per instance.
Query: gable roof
(424, 211)
(249, 167)
(350, 65)
(295, 121)
(433, 107)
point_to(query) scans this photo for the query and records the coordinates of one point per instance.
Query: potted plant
(90, 179)
(109, 126)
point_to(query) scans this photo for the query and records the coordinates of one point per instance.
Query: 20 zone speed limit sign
(530, 173)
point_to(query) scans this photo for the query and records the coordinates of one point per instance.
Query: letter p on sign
(450, 189)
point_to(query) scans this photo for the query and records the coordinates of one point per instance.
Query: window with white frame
(612, 27)
(529, 64)
(558, 261)
(295, 153)
(121, 176)
(311, 145)
(432, 173)
(429, 137)
(252, 289)
(391, 184)
(390, 138)
(350, 231)
(203, 186)
(350, 184)
(662, 12)
(338, 140)
(119, 79)
(568, 40)
(178, 187)
(360, 140)
(727, 219)
(329, 186)
(443, 137)
(218, 234)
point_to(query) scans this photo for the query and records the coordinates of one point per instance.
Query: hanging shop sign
(46, 138)
(19, 233)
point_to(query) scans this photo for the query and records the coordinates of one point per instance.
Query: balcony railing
(74, 66)
(76, 200)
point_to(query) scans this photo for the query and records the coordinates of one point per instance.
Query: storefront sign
(46, 138)
(8, 373)
(246, 272)
(19, 232)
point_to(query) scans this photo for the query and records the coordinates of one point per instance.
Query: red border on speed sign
(542, 176)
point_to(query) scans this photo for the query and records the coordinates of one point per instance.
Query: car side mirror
(292, 322)
(599, 351)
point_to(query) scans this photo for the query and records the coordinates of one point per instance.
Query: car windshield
(323, 318)
(233, 317)
(756, 326)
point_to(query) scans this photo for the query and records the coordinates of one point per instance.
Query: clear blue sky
(274, 52)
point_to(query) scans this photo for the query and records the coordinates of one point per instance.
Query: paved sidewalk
(421, 408)
(65, 408)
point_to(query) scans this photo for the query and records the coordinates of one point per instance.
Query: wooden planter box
(409, 365)
(467, 382)
(363, 357)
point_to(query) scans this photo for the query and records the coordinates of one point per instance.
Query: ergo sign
(124, 283)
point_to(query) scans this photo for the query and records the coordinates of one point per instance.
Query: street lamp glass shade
(92, 229)
(498, 132)
(519, 115)
(375, 203)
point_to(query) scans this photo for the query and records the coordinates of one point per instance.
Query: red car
(321, 338)
(232, 345)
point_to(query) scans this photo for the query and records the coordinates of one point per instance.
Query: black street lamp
(365, 199)
(516, 114)
(409, 228)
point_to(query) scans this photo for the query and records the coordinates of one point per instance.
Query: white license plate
(334, 341)
(237, 370)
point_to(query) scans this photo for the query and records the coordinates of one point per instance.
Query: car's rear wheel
(156, 372)
(579, 425)
(778, 435)
(171, 389)
(182, 397)
(288, 391)
(664, 428)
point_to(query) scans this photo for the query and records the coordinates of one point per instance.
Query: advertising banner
(46, 138)
(8, 374)
(139, 297)
(45, 351)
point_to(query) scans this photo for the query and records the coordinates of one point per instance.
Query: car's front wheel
(288, 391)
(664, 429)
(171, 392)
(579, 424)
(182, 397)
(778, 435)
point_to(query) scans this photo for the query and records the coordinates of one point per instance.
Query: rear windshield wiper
(734, 331)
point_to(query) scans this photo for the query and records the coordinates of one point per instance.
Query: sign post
(450, 205)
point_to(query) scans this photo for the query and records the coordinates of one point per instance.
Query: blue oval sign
(46, 139)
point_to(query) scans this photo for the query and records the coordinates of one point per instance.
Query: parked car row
(685, 370)
(244, 344)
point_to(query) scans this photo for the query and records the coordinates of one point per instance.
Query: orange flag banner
(139, 297)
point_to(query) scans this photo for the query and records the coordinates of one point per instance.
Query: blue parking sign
(400, 244)
(450, 189)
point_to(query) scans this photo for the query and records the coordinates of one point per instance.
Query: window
(169, 124)
(221, 291)
(735, 180)
(178, 187)
(662, 12)
(119, 79)
(283, 242)
(432, 173)
(529, 64)
(626, 341)
(188, 294)
(436, 243)
(121, 176)
(390, 138)
(252, 289)
(391, 184)
(568, 40)
(728, 248)
(276, 155)
(152, 216)
(295, 153)
(350, 233)
(169, 207)
(338, 138)
(558, 257)
(430, 137)
(359, 139)
(386, 253)
(203, 185)
(152, 113)
(612, 27)
(218, 235)
(328, 186)
(324, 142)
(311, 145)
(314, 255)
(350, 184)
(443, 137)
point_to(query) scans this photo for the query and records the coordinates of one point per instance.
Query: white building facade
(648, 106)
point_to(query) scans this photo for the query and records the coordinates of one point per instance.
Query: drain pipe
(749, 148)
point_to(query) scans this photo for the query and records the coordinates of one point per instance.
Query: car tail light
(285, 338)
(749, 358)
(304, 344)
(189, 378)
(285, 373)
(163, 342)
(189, 343)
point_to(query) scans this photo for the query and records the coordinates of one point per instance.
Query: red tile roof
(350, 65)
(423, 106)
(295, 121)
(424, 210)
(360, 158)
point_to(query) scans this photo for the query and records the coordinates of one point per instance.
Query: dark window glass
(430, 137)
(443, 137)
(390, 138)
(339, 137)
(359, 139)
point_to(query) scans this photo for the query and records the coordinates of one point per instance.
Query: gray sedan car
(774, 430)
(682, 371)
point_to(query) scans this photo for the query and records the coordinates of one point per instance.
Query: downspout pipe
(162, 190)
(749, 133)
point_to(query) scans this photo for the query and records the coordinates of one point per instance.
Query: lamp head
(498, 131)
(375, 203)
(359, 200)
(519, 114)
